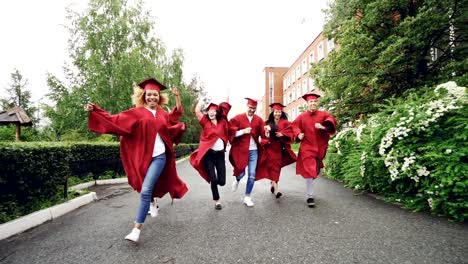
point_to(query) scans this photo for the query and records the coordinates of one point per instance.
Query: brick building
(286, 85)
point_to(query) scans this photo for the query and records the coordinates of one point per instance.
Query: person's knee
(146, 193)
(214, 181)
(222, 182)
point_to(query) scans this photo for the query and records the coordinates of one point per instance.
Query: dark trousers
(215, 160)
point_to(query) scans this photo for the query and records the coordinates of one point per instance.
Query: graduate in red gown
(279, 135)
(147, 134)
(209, 159)
(313, 129)
(244, 132)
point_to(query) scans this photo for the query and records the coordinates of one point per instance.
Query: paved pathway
(343, 228)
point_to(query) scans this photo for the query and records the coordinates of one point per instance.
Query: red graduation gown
(239, 152)
(314, 146)
(278, 151)
(137, 128)
(209, 136)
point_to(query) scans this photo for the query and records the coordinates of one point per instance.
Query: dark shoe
(310, 202)
(272, 190)
(278, 195)
(218, 206)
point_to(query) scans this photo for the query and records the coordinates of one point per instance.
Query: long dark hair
(271, 121)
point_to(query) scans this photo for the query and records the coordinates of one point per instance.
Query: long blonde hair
(138, 97)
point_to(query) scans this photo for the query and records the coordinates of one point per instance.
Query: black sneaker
(278, 195)
(218, 206)
(310, 202)
(272, 190)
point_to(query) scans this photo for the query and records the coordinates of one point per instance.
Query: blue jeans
(252, 167)
(151, 177)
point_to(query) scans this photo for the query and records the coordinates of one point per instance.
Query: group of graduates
(148, 133)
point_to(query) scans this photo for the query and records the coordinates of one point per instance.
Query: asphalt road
(343, 228)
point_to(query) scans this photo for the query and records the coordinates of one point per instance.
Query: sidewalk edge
(37, 218)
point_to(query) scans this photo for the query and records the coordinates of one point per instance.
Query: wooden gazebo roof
(16, 115)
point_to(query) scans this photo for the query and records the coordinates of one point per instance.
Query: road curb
(37, 218)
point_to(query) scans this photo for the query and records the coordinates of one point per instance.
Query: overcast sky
(227, 43)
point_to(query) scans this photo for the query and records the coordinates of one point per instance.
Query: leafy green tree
(192, 93)
(111, 47)
(18, 95)
(386, 47)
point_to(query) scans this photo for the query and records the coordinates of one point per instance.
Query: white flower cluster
(453, 90)
(422, 172)
(435, 110)
(363, 163)
(430, 202)
(395, 132)
(417, 122)
(359, 130)
(408, 161)
(337, 138)
(391, 161)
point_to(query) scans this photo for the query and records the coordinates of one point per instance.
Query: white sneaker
(153, 209)
(134, 235)
(248, 201)
(235, 184)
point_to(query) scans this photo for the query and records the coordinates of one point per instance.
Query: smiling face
(277, 114)
(312, 104)
(251, 109)
(212, 114)
(151, 98)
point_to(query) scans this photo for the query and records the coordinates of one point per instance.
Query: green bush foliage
(414, 151)
(30, 175)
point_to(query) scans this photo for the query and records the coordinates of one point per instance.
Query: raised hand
(89, 107)
(175, 91)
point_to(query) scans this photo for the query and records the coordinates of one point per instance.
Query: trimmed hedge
(34, 175)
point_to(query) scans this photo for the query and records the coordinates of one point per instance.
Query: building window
(298, 91)
(435, 53)
(290, 97)
(293, 94)
(298, 72)
(293, 77)
(271, 80)
(288, 81)
(320, 51)
(312, 58)
(304, 87)
(304, 66)
(330, 45)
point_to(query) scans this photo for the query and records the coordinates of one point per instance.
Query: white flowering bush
(415, 151)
